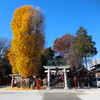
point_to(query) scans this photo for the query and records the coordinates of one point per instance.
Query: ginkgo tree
(28, 41)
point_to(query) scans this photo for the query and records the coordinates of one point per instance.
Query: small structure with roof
(14, 77)
(84, 77)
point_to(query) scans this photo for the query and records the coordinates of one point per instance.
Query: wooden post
(78, 81)
(88, 81)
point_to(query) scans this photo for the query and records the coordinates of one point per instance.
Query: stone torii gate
(63, 69)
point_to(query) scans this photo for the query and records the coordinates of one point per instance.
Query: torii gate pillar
(65, 79)
(48, 79)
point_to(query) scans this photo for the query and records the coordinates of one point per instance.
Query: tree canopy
(5, 68)
(28, 41)
(63, 44)
(76, 48)
(4, 48)
(84, 44)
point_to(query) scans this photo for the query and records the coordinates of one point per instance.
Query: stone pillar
(48, 79)
(65, 79)
(12, 82)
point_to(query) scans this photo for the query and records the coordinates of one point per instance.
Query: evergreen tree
(48, 54)
(84, 44)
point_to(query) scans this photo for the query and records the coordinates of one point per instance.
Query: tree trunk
(86, 61)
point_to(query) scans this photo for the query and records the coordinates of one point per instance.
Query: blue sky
(61, 17)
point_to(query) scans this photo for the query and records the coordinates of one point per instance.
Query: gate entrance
(57, 76)
(57, 80)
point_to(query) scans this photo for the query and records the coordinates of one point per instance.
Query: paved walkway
(53, 94)
(38, 95)
(60, 96)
